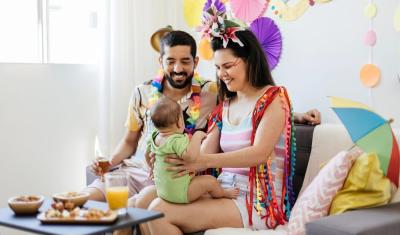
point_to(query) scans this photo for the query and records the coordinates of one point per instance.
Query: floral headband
(216, 25)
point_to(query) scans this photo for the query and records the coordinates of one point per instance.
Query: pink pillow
(315, 201)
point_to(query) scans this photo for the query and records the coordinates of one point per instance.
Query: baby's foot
(232, 193)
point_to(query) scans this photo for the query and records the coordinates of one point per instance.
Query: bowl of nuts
(26, 204)
(78, 199)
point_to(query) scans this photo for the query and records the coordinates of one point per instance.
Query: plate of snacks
(79, 199)
(68, 213)
(26, 204)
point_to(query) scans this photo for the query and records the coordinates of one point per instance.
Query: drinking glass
(117, 191)
(104, 166)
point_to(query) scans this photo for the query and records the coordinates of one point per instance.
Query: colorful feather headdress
(216, 25)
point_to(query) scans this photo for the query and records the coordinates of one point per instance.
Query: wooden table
(29, 223)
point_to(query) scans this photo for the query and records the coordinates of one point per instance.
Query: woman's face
(231, 70)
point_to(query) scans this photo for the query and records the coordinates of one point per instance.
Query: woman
(249, 138)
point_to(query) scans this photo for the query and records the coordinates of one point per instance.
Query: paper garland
(396, 19)
(370, 74)
(289, 11)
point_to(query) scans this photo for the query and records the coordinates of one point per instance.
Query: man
(177, 81)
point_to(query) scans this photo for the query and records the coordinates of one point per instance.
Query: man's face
(178, 65)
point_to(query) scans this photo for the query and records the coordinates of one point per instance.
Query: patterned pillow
(315, 201)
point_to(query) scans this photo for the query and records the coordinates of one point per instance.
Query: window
(50, 31)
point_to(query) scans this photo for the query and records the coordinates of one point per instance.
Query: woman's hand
(182, 167)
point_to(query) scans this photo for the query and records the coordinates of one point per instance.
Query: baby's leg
(202, 184)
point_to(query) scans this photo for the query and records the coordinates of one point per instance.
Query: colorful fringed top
(261, 183)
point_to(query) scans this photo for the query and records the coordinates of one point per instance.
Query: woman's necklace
(194, 106)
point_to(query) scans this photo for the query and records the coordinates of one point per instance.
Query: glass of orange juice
(117, 191)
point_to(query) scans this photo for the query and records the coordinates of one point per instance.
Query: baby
(168, 139)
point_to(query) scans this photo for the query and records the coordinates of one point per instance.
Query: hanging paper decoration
(370, 10)
(205, 50)
(220, 7)
(269, 36)
(396, 19)
(192, 11)
(370, 75)
(289, 11)
(248, 10)
(370, 38)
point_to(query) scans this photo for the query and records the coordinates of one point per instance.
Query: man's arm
(312, 117)
(126, 147)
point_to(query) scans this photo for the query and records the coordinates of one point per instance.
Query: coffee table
(133, 218)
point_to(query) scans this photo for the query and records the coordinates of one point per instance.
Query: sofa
(315, 146)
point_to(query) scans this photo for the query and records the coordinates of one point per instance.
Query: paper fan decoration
(205, 50)
(192, 10)
(220, 7)
(269, 36)
(248, 10)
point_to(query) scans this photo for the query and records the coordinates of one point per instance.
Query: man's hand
(311, 117)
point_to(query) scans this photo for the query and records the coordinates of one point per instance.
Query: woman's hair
(258, 72)
(165, 113)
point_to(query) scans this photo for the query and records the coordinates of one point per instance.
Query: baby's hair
(165, 112)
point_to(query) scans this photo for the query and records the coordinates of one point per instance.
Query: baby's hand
(200, 134)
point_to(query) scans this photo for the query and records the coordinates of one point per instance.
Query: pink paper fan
(248, 10)
(269, 36)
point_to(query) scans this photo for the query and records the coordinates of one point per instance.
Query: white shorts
(232, 180)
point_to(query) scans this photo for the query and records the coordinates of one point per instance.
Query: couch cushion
(365, 186)
(316, 199)
(371, 221)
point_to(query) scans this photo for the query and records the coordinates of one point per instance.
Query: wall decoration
(269, 36)
(288, 11)
(192, 10)
(205, 50)
(370, 74)
(248, 10)
(396, 19)
(370, 10)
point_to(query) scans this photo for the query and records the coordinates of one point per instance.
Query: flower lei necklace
(194, 109)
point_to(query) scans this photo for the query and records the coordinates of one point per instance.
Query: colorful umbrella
(248, 10)
(371, 133)
(270, 38)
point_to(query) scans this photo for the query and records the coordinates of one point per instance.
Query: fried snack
(27, 198)
(95, 214)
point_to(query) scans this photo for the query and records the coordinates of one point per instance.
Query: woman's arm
(211, 142)
(267, 136)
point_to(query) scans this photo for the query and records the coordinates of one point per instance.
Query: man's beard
(180, 85)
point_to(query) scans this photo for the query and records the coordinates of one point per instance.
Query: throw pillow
(366, 186)
(316, 199)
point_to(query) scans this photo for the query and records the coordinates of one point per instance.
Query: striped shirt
(235, 137)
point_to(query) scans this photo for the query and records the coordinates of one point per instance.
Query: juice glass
(117, 191)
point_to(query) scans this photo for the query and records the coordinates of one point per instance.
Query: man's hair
(258, 71)
(165, 112)
(178, 38)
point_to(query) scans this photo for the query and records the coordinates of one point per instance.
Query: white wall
(323, 52)
(48, 119)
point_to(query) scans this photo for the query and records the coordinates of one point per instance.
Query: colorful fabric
(174, 190)
(315, 201)
(139, 110)
(262, 194)
(365, 186)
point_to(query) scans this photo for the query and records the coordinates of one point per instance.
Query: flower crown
(216, 25)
